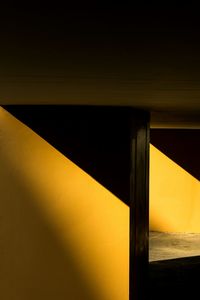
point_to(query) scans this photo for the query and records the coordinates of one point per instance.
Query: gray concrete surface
(164, 246)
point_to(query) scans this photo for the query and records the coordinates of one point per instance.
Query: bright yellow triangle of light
(90, 223)
(174, 196)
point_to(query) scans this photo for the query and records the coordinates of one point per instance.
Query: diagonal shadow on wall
(180, 145)
(97, 139)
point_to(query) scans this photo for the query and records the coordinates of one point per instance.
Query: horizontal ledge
(175, 120)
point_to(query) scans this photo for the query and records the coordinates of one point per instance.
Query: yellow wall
(62, 235)
(174, 196)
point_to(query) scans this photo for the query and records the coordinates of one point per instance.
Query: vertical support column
(139, 206)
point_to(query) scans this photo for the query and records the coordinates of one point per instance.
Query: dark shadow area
(180, 145)
(174, 279)
(97, 139)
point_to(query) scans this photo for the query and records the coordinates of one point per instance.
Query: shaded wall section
(63, 235)
(174, 196)
(181, 145)
(96, 138)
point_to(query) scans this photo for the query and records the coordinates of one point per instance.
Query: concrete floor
(174, 266)
(163, 246)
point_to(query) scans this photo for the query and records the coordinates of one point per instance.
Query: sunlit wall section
(62, 235)
(194, 223)
(174, 196)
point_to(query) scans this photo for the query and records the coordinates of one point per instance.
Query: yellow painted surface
(174, 196)
(62, 235)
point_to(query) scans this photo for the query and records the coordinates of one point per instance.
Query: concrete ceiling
(143, 58)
